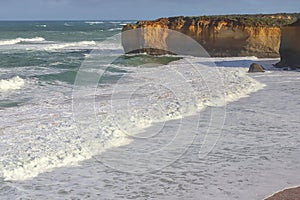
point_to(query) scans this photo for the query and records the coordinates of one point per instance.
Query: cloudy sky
(135, 9)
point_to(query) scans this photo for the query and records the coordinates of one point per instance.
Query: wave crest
(71, 44)
(14, 83)
(19, 40)
(94, 23)
(115, 29)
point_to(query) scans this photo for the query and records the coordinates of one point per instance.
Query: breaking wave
(58, 143)
(115, 29)
(19, 40)
(14, 83)
(71, 44)
(94, 23)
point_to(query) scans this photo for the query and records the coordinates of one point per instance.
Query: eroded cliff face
(290, 46)
(246, 35)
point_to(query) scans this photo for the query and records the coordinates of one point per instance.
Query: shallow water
(145, 131)
(256, 155)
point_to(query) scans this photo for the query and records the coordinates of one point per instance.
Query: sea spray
(14, 83)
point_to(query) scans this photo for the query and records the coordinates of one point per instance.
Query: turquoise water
(45, 152)
(24, 44)
(47, 53)
(61, 30)
(43, 53)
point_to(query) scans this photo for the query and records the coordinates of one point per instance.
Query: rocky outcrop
(290, 46)
(287, 194)
(236, 35)
(254, 67)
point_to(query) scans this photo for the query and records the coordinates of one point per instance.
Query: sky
(136, 9)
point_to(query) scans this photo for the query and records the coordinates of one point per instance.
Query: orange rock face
(219, 35)
(290, 46)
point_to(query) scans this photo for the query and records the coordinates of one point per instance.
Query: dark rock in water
(254, 67)
(290, 46)
(280, 64)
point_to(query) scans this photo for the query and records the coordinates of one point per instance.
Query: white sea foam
(67, 24)
(94, 23)
(41, 25)
(44, 135)
(19, 40)
(56, 63)
(115, 29)
(58, 46)
(209, 85)
(113, 22)
(14, 83)
(81, 44)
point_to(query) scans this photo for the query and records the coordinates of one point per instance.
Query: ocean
(81, 120)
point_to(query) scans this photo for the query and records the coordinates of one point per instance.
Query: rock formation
(235, 35)
(290, 46)
(287, 194)
(254, 67)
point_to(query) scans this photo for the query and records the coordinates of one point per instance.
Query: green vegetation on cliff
(270, 20)
(220, 35)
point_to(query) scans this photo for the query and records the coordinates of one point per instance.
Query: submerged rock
(234, 35)
(254, 67)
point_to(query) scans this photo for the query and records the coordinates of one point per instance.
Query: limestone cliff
(235, 35)
(290, 46)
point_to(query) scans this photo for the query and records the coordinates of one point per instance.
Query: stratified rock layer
(237, 35)
(290, 46)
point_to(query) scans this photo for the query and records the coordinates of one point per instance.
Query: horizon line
(229, 14)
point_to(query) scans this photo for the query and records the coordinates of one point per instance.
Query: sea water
(164, 130)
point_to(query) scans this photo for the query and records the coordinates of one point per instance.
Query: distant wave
(90, 45)
(19, 40)
(115, 29)
(112, 22)
(41, 25)
(67, 24)
(93, 23)
(71, 44)
(58, 45)
(14, 83)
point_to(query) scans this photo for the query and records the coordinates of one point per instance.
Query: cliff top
(269, 20)
(297, 23)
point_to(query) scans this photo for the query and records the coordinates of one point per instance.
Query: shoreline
(252, 149)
